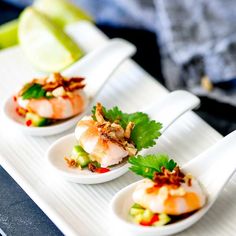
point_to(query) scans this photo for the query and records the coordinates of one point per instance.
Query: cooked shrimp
(57, 107)
(168, 199)
(105, 152)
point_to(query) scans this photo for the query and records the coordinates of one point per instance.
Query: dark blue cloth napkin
(196, 38)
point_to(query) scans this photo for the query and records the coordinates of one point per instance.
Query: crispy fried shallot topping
(55, 81)
(70, 162)
(69, 84)
(128, 129)
(114, 131)
(166, 177)
(99, 113)
(92, 167)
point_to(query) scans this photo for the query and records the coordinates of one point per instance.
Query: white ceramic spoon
(96, 67)
(168, 110)
(213, 168)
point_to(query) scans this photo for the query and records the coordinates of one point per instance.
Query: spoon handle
(215, 166)
(98, 65)
(171, 107)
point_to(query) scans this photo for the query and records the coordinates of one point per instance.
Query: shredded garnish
(114, 132)
(46, 87)
(134, 131)
(160, 169)
(128, 129)
(57, 80)
(188, 179)
(92, 167)
(70, 162)
(166, 177)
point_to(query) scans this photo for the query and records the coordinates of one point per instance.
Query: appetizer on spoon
(110, 136)
(53, 104)
(104, 141)
(107, 138)
(166, 195)
(44, 101)
(170, 200)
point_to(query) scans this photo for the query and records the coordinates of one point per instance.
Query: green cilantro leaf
(144, 133)
(147, 165)
(34, 91)
(145, 130)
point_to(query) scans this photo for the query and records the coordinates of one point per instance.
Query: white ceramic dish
(170, 108)
(207, 168)
(83, 209)
(96, 72)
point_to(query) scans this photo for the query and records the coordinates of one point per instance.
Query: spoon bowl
(123, 201)
(62, 147)
(9, 109)
(206, 167)
(96, 73)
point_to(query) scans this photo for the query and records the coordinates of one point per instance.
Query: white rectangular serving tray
(84, 209)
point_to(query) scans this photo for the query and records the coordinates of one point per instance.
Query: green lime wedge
(62, 12)
(45, 44)
(8, 34)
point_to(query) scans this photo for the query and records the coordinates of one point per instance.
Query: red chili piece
(152, 221)
(28, 122)
(21, 111)
(101, 170)
(14, 98)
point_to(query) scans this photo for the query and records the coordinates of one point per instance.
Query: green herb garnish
(147, 165)
(34, 91)
(145, 130)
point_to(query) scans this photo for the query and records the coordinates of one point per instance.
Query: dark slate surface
(19, 215)
(8, 12)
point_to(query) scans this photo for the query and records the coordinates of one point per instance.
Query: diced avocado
(147, 215)
(136, 211)
(78, 150)
(83, 160)
(136, 205)
(80, 156)
(137, 219)
(36, 119)
(163, 220)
